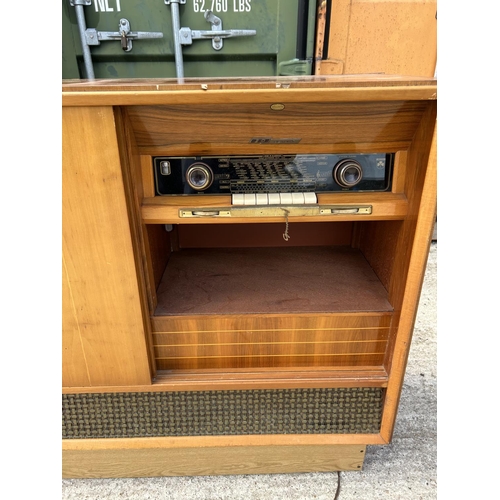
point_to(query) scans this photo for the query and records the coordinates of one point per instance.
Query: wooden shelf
(186, 380)
(281, 307)
(165, 210)
(256, 378)
(269, 280)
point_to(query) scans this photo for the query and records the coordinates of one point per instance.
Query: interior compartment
(286, 280)
(324, 267)
(238, 296)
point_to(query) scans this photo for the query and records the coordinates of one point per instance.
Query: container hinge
(295, 67)
(91, 36)
(185, 36)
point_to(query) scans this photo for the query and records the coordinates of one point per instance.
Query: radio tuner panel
(318, 173)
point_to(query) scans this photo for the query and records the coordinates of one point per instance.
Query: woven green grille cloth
(213, 413)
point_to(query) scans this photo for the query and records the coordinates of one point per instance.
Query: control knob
(347, 173)
(199, 176)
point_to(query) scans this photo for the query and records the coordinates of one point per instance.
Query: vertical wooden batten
(423, 226)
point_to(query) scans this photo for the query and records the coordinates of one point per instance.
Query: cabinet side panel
(415, 242)
(98, 252)
(74, 369)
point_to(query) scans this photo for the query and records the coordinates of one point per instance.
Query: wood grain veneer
(419, 232)
(163, 460)
(207, 379)
(165, 209)
(273, 340)
(323, 89)
(264, 235)
(389, 125)
(106, 339)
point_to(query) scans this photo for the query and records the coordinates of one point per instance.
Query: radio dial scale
(302, 173)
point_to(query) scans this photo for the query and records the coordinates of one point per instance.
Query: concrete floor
(405, 469)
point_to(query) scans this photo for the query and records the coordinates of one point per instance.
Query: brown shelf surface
(165, 209)
(264, 378)
(269, 280)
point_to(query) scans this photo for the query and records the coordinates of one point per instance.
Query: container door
(283, 42)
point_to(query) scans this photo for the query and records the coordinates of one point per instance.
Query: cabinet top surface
(256, 89)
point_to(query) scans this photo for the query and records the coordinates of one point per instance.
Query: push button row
(274, 199)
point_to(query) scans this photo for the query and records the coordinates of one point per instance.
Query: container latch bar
(90, 36)
(217, 34)
(185, 36)
(94, 37)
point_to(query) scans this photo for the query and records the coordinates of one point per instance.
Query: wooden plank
(165, 209)
(279, 349)
(391, 37)
(382, 36)
(248, 337)
(158, 249)
(262, 349)
(414, 188)
(139, 85)
(147, 176)
(98, 253)
(263, 235)
(271, 378)
(220, 441)
(74, 366)
(279, 361)
(399, 172)
(343, 122)
(270, 322)
(219, 148)
(150, 462)
(416, 269)
(220, 97)
(134, 194)
(378, 241)
(255, 378)
(269, 91)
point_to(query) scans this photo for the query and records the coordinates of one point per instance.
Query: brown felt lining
(269, 280)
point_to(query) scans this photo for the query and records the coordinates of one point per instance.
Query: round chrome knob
(199, 176)
(347, 173)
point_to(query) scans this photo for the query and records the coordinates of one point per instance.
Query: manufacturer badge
(277, 106)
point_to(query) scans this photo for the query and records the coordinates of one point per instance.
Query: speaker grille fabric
(213, 413)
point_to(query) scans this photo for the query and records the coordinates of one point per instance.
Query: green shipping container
(137, 39)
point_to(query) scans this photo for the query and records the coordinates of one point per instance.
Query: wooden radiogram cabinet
(205, 337)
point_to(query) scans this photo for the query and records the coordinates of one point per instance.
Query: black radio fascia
(280, 173)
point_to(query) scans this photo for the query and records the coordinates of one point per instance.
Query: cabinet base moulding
(212, 460)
